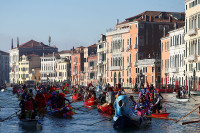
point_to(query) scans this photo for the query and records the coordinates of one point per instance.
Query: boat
(64, 112)
(107, 109)
(30, 123)
(158, 115)
(123, 119)
(77, 97)
(164, 90)
(182, 99)
(195, 93)
(90, 102)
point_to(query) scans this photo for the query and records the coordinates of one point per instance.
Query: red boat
(165, 114)
(164, 90)
(90, 102)
(77, 97)
(107, 109)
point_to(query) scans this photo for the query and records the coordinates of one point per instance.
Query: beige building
(192, 42)
(27, 65)
(64, 67)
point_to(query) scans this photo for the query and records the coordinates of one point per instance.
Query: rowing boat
(77, 97)
(107, 109)
(182, 99)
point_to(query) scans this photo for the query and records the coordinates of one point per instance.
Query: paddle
(171, 105)
(11, 116)
(187, 114)
(166, 118)
(100, 121)
(193, 98)
(189, 122)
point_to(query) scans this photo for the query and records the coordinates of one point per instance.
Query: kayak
(89, 102)
(165, 114)
(107, 109)
(77, 97)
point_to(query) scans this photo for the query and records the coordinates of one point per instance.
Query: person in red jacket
(28, 107)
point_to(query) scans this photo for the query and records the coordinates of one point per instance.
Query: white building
(192, 42)
(4, 67)
(176, 57)
(48, 67)
(64, 67)
(101, 60)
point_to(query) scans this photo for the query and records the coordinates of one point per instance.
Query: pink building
(77, 65)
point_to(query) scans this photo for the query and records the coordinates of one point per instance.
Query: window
(152, 69)
(162, 46)
(199, 46)
(199, 19)
(158, 69)
(141, 25)
(186, 7)
(160, 27)
(152, 80)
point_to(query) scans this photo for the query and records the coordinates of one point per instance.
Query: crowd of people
(42, 98)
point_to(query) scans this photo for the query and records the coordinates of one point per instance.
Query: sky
(69, 22)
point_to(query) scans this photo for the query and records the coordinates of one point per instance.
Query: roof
(33, 43)
(65, 52)
(92, 46)
(157, 16)
(3, 53)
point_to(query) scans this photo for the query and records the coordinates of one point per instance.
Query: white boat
(195, 93)
(182, 99)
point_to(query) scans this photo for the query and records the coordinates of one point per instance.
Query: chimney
(117, 22)
(12, 43)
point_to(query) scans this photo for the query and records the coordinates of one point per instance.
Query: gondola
(90, 102)
(107, 109)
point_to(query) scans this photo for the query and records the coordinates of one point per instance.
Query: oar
(187, 114)
(166, 118)
(193, 98)
(171, 105)
(100, 121)
(11, 116)
(189, 122)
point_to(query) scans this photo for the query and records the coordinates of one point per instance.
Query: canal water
(90, 120)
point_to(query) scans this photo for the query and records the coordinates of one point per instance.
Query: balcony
(166, 70)
(100, 74)
(100, 61)
(192, 32)
(175, 70)
(192, 58)
(75, 63)
(135, 64)
(112, 68)
(111, 32)
(135, 46)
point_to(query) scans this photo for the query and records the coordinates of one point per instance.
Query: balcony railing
(122, 49)
(119, 31)
(192, 57)
(166, 70)
(192, 32)
(174, 70)
(115, 68)
(75, 63)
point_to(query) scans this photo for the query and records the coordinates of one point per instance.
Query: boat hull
(90, 102)
(105, 109)
(160, 115)
(77, 97)
(195, 93)
(182, 99)
(164, 90)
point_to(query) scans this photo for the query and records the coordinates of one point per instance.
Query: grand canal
(90, 120)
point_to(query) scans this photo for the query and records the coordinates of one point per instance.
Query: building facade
(192, 42)
(27, 66)
(165, 59)
(4, 67)
(77, 65)
(49, 67)
(101, 60)
(137, 38)
(176, 57)
(30, 47)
